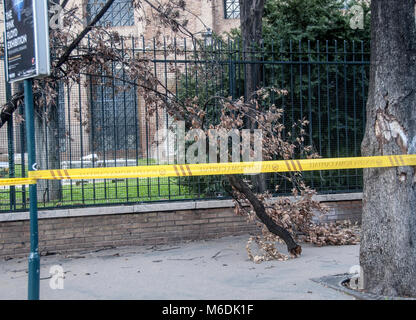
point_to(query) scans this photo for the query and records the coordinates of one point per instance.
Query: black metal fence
(102, 120)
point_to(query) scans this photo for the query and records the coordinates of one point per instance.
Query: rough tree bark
(47, 151)
(251, 22)
(388, 245)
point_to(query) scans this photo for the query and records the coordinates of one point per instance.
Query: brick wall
(92, 232)
(74, 230)
(344, 210)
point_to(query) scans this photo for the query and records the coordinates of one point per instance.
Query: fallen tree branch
(260, 210)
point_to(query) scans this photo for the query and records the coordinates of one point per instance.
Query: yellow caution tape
(17, 181)
(208, 169)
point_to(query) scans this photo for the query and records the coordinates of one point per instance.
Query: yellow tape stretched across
(17, 181)
(207, 169)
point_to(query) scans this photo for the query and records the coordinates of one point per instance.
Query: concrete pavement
(213, 269)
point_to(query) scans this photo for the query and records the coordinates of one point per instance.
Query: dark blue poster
(20, 39)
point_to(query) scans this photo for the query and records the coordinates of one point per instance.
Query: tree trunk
(388, 245)
(251, 17)
(47, 151)
(258, 207)
(251, 21)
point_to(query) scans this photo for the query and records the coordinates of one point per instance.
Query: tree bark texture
(251, 21)
(388, 244)
(251, 17)
(47, 151)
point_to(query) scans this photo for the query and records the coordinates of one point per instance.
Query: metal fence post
(34, 259)
(231, 73)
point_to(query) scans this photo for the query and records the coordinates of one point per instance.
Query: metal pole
(34, 259)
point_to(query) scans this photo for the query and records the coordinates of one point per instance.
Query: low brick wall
(90, 232)
(74, 230)
(344, 210)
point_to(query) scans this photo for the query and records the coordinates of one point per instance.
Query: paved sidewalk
(215, 269)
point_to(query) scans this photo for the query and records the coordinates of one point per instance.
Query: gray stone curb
(336, 282)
